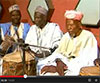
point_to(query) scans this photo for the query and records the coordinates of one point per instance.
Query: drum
(13, 64)
(6, 44)
(90, 71)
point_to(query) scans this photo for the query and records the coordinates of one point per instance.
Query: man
(44, 35)
(14, 29)
(16, 23)
(77, 48)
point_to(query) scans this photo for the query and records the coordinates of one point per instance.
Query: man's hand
(43, 54)
(97, 62)
(51, 69)
(61, 67)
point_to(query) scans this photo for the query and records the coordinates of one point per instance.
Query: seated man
(14, 29)
(12, 32)
(77, 48)
(44, 35)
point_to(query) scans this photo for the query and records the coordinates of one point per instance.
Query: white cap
(41, 10)
(72, 14)
(13, 7)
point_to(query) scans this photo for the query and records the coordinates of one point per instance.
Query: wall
(58, 16)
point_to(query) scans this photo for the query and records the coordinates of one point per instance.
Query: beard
(73, 35)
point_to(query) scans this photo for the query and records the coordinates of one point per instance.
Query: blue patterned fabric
(6, 29)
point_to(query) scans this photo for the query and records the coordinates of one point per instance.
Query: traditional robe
(8, 28)
(83, 50)
(48, 37)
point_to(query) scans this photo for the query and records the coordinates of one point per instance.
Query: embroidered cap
(13, 7)
(41, 10)
(72, 14)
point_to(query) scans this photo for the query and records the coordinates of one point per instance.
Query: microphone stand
(23, 58)
(25, 47)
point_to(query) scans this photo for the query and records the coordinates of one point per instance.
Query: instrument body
(90, 71)
(7, 43)
(13, 65)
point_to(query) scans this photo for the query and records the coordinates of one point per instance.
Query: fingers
(97, 62)
(61, 67)
(60, 63)
(60, 70)
(65, 67)
(44, 69)
(50, 69)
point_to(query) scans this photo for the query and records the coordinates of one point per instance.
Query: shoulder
(5, 25)
(53, 24)
(33, 28)
(87, 33)
(26, 24)
(66, 35)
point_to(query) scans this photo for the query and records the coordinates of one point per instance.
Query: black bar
(53, 79)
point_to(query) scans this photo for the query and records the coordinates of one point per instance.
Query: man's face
(15, 16)
(72, 27)
(39, 19)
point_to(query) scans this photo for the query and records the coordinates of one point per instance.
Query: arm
(91, 49)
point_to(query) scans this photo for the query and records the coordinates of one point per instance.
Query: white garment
(84, 49)
(48, 37)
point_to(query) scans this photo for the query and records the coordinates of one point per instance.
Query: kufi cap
(72, 14)
(41, 10)
(13, 7)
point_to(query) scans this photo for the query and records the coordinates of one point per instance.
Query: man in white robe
(43, 34)
(77, 48)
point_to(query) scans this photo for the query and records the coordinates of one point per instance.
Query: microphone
(53, 49)
(23, 45)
